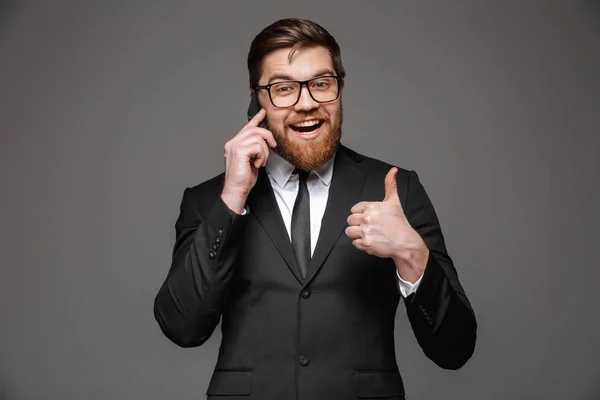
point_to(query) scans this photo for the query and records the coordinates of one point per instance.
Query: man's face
(303, 145)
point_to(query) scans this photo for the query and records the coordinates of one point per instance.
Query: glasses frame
(339, 80)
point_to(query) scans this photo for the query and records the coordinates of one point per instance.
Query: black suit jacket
(329, 335)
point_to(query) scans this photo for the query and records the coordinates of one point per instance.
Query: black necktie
(301, 223)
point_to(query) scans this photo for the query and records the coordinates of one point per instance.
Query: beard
(308, 155)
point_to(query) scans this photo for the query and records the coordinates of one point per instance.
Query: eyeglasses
(323, 89)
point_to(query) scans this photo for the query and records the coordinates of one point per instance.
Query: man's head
(308, 130)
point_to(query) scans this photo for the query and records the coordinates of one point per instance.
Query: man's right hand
(244, 155)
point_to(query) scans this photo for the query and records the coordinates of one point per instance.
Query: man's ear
(257, 94)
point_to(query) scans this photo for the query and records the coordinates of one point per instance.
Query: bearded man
(304, 247)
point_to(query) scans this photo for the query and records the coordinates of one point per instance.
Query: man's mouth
(307, 127)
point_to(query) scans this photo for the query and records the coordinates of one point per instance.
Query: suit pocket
(373, 385)
(230, 383)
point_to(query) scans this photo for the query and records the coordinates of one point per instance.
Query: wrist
(234, 201)
(411, 265)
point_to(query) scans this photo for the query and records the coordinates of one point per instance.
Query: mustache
(299, 117)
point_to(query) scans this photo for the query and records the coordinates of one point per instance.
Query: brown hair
(291, 33)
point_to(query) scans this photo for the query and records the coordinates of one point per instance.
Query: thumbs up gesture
(382, 229)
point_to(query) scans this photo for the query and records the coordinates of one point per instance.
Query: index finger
(359, 208)
(257, 119)
(265, 133)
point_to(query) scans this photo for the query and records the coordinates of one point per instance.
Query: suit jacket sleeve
(190, 302)
(439, 312)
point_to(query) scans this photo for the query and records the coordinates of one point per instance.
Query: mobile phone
(254, 108)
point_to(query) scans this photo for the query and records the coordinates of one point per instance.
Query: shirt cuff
(246, 210)
(407, 288)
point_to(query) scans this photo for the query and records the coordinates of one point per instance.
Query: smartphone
(254, 108)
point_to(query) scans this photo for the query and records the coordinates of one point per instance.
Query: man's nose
(305, 102)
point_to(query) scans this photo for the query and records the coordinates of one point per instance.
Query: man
(304, 247)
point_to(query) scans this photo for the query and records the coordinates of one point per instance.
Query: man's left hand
(382, 229)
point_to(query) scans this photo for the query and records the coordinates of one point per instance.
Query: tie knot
(301, 174)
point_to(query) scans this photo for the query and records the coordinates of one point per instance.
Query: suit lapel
(346, 186)
(264, 206)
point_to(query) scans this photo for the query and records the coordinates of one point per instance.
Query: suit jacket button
(215, 246)
(212, 254)
(306, 293)
(221, 231)
(218, 240)
(303, 360)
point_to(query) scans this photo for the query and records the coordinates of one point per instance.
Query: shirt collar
(281, 170)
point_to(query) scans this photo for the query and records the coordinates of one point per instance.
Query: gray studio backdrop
(109, 109)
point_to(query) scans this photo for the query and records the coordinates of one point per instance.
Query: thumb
(391, 188)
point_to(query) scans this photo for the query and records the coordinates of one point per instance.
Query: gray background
(109, 109)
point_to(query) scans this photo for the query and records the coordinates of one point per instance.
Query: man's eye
(283, 89)
(321, 84)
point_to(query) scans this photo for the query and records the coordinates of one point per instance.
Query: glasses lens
(286, 94)
(324, 89)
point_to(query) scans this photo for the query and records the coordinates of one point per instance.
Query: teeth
(307, 124)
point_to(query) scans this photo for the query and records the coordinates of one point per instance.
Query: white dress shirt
(285, 187)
